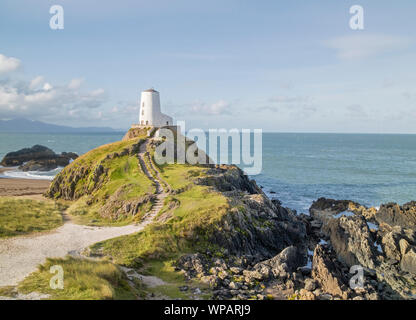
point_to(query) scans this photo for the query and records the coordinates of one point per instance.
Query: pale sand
(22, 187)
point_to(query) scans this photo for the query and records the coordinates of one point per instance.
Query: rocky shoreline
(258, 249)
(342, 241)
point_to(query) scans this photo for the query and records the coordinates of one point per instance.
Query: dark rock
(17, 158)
(351, 240)
(287, 261)
(260, 229)
(408, 260)
(196, 264)
(324, 210)
(327, 271)
(229, 178)
(276, 202)
(395, 215)
(310, 284)
(37, 158)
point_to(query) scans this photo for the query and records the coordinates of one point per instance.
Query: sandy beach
(21, 187)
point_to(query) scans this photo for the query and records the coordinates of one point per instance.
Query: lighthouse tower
(150, 113)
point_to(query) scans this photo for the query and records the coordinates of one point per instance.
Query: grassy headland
(207, 209)
(106, 185)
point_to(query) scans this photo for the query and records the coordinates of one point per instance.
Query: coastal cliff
(217, 228)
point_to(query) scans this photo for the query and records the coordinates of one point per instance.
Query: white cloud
(288, 99)
(8, 64)
(75, 83)
(36, 82)
(126, 108)
(217, 108)
(97, 92)
(39, 99)
(362, 46)
(24, 99)
(47, 86)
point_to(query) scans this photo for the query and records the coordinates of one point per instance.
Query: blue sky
(288, 66)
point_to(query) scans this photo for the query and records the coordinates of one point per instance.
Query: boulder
(399, 246)
(395, 215)
(327, 272)
(310, 284)
(408, 260)
(352, 241)
(287, 261)
(21, 156)
(37, 158)
(195, 265)
(325, 209)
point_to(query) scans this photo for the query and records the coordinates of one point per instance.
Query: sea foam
(36, 175)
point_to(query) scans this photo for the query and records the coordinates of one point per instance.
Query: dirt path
(19, 256)
(162, 188)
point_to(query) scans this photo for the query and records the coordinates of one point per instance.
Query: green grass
(8, 291)
(83, 280)
(187, 230)
(198, 210)
(82, 213)
(125, 171)
(173, 280)
(98, 154)
(180, 176)
(123, 181)
(127, 181)
(24, 216)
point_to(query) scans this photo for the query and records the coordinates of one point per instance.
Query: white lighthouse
(150, 113)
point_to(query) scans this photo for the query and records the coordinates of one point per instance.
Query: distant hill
(22, 125)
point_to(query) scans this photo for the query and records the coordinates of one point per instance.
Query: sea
(297, 168)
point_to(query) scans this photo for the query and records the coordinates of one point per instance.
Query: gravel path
(19, 256)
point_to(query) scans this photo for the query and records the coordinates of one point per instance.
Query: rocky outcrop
(395, 215)
(352, 241)
(256, 229)
(255, 225)
(241, 277)
(325, 209)
(280, 266)
(374, 240)
(136, 133)
(229, 178)
(326, 271)
(116, 206)
(37, 158)
(70, 183)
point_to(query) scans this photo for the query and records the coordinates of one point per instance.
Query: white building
(150, 113)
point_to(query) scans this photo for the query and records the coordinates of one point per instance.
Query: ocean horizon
(297, 168)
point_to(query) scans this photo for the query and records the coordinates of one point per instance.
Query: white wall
(150, 113)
